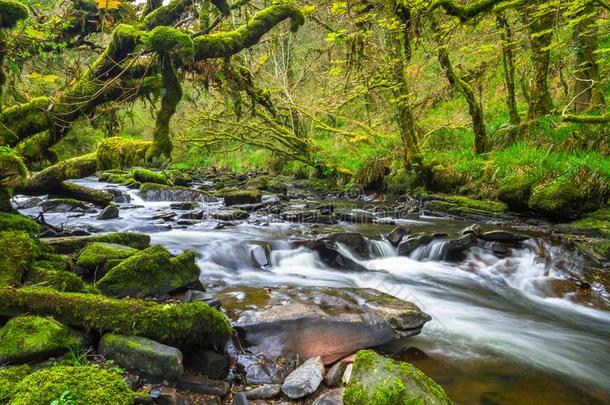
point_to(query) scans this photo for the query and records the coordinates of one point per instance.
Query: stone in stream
(184, 206)
(100, 257)
(331, 253)
(335, 374)
(455, 247)
(239, 197)
(382, 381)
(305, 380)
(71, 244)
(65, 205)
(204, 385)
(29, 338)
(411, 242)
(333, 397)
(207, 362)
(267, 391)
(153, 271)
(503, 236)
(119, 196)
(398, 234)
(260, 369)
(327, 322)
(160, 192)
(145, 357)
(230, 215)
(110, 212)
(474, 229)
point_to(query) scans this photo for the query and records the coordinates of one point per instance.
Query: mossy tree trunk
(588, 92)
(539, 18)
(401, 55)
(508, 67)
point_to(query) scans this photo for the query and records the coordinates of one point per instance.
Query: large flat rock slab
(326, 322)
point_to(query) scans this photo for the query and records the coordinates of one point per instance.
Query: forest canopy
(500, 99)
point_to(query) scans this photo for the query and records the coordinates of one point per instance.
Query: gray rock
(144, 357)
(168, 396)
(264, 370)
(65, 205)
(260, 255)
(240, 399)
(398, 234)
(230, 215)
(160, 192)
(119, 196)
(204, 385)
(455, 247)
(209, 363)
(334, 397)
(327, 322)
(267, 391)
(332, 255)
(184, 206)
(305, 379)
(503, 236)
(110, 212)
(474, 229)
(335, 374)
(411, 242)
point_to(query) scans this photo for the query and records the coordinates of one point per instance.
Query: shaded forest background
(494, 99)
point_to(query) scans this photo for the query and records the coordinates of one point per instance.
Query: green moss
(24, 119)
(60, 280)
(12, 11)
(117, 153)
(166, 39)
(481, 205)
(563, 198)
(12, 169)
(148, 176)
(17, 222)
(87, 385)
(190, 323)
(9, 378)
(150, 272)
(29, 338)
(100, 257)
(596, 223)
(18, 250)
(247, 196)
(73, 244)
(377, 380)
(49, 179)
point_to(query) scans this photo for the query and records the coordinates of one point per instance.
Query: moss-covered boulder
(110, 212)
(17, 222)
(60, 280)
(151, 272)
(18, 250)
(377, 380)
(248, 196)
(89, 385)
(177, 324)
(161, 192)
(562, 198)
(29, 338)
(72, 244)
(99, 257)
(149, 359)
(148, 176)
(9, 378)
(65, 205)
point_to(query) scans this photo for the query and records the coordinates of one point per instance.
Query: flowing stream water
(504, 330)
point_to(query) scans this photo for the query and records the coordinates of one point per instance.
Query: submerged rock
(110, 212)
(145, 357)
(150, 272)
(381, 381)
(305, 379)
(326, 322)
(28, 338)
(160, 192)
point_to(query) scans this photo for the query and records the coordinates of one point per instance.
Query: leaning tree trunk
(588, 93)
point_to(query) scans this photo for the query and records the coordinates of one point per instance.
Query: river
(503, 330)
